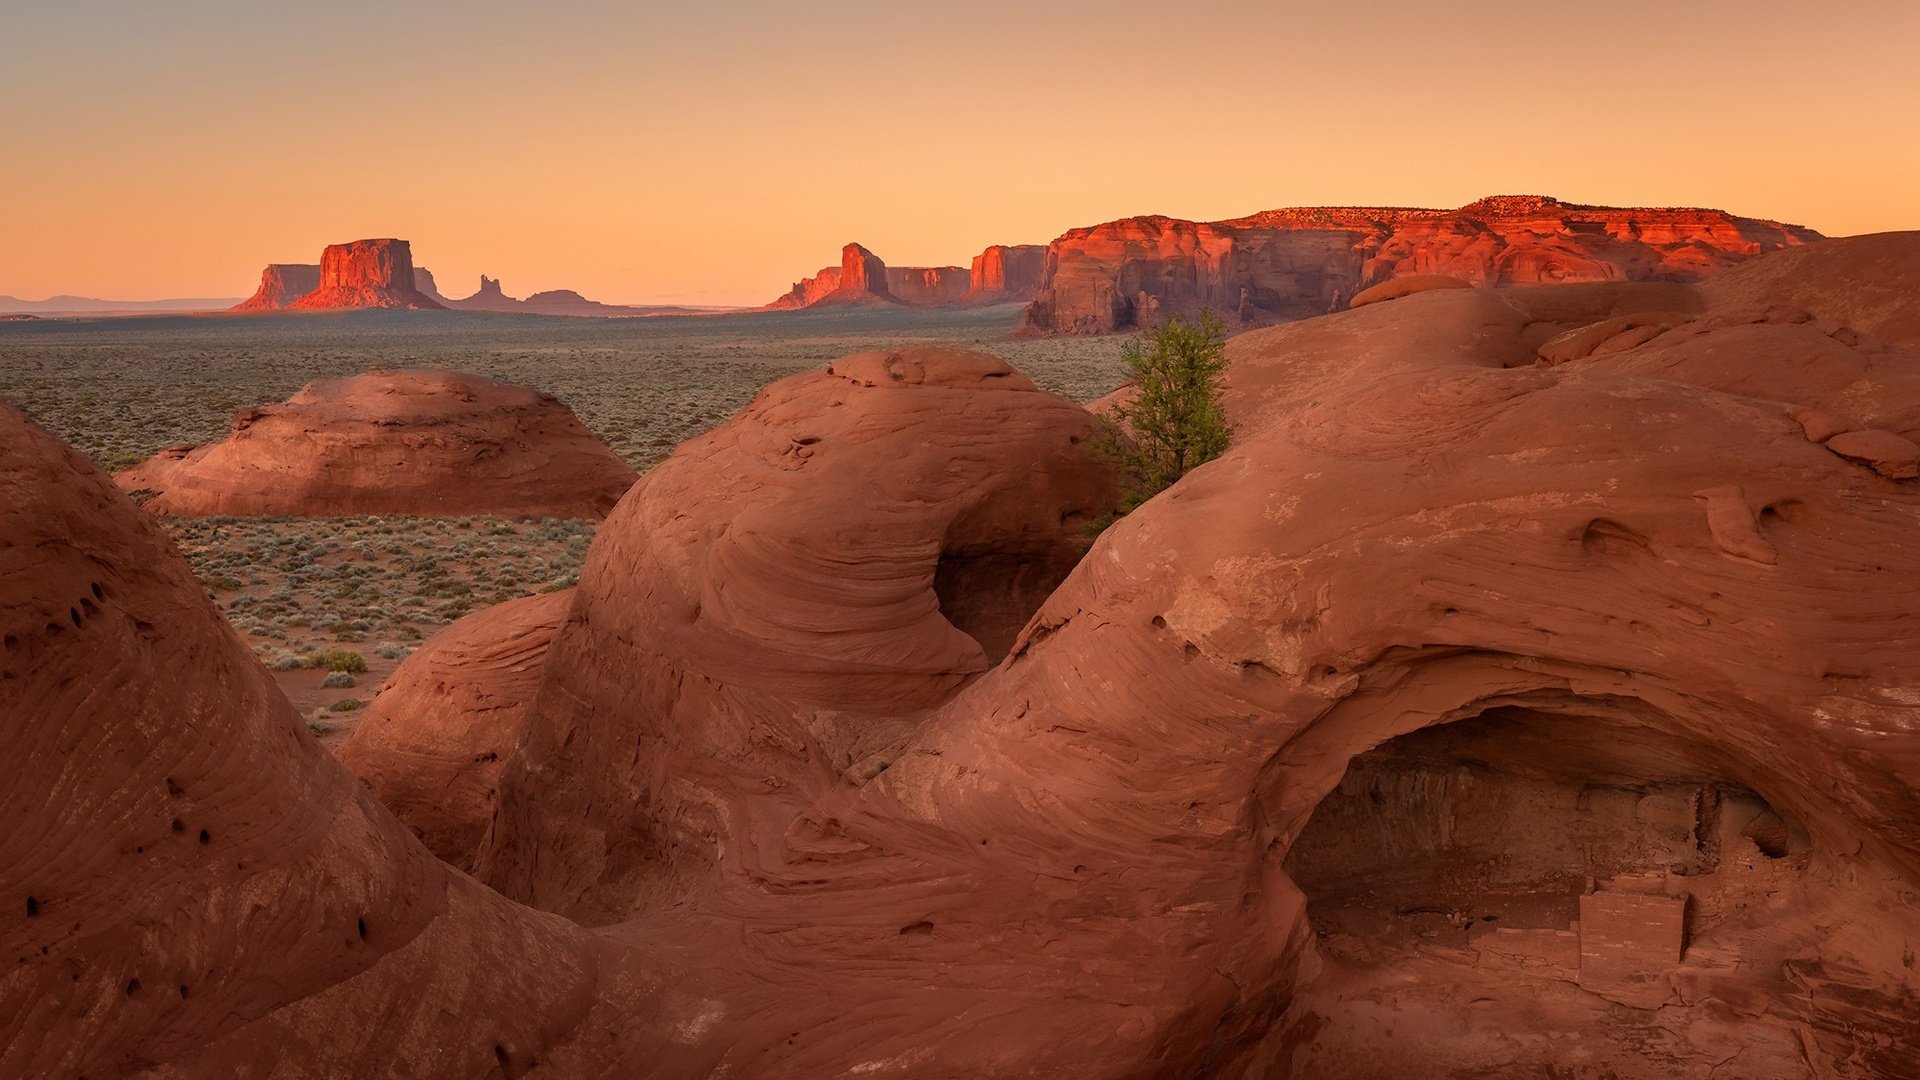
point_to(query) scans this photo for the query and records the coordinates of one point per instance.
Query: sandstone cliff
(366, 274)
(997, 274)
(1004, 272)
(280, 285)
(1291, 263)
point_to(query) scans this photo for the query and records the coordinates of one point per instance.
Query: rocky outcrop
(997, 275)
(366, 274)
(826, 549)
(928, 285)
(280, 285)
(1003, 273)
(1471, 716)
(488, 298)
(1288, 264)
(1865, 282)
(410, 442)
(432, 745)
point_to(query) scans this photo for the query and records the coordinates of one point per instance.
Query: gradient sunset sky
(712, 152)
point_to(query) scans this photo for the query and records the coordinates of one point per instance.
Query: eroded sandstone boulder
(409, 442)
(432, 744)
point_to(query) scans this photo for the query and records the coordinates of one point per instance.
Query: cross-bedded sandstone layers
(1294, 263)
(432, 744)
(366, 274)
(411, 442)
(280, 285)
(779, 597)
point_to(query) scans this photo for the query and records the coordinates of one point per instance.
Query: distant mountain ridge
(87, 305)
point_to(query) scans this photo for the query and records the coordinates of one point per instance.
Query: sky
(714, 151)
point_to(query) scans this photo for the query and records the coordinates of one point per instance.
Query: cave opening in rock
(1506, 820)
(990, 595)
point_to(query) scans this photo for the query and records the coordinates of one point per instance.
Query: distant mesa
(999, 274)
(280, 285)
(366, 274)
(1287, 264)
(410, 442)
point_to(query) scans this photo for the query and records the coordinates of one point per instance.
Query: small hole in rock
(133, 987)
(205, 836)
(178, 825)
(33, 907)
(362, 925)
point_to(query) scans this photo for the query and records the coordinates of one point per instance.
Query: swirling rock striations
(432, 744)
(366, 274)
(1479, 712)
(1293, 263)
(777, 597)
(409, 442)
(1863, 282)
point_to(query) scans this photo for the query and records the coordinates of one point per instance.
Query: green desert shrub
(344, 705)
(339, 680)
(338, 660)
(1175, 422)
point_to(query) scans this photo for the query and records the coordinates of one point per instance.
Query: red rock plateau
(411, 442)
(366, 274)
(1294, 263)
(280, 285)
(998, 275)
(1526, 692)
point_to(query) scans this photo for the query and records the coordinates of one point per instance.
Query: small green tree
(1175, 422)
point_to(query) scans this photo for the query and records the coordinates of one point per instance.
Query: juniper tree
(1175, 422)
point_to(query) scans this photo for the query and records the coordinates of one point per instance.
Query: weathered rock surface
(856, 545)
(1863, 282)
(280, 285)
(432, 744)
(365, 274)
(1306, 769)
(1395, 288)
(1293, 263)
(410, 442)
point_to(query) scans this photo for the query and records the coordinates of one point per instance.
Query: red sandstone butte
(1459, 688)
(408, 442)
(280, 285)
(366, 274)
(998, 274)
(1293, 263)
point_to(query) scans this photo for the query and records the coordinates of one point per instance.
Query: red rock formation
(849, 560)
(366, 274)
(1284, 264)
(1395, 288)
(1865, 282)
(419, 442)
(1003, 273)
(1309, 768)
(280, 285)
(432, 745)
(928, 285)
(489, 298)
(862, 278)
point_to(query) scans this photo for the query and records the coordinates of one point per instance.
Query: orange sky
(713, 152)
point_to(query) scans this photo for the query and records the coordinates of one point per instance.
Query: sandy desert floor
(121, 389)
